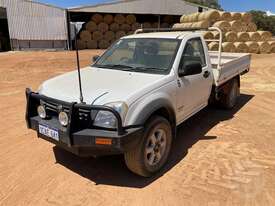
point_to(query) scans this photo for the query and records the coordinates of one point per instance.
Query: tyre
(229, 98)
(154, 148)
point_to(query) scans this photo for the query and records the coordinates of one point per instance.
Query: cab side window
(193, 52)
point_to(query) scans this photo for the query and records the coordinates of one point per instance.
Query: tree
(263, 21)
(208, 3)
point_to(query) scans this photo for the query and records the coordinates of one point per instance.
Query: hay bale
(183, 26)
(119, 19)
(272, 44)
(225, 16)
(201, 24)
(223, 25)
(108, 19)
(241, 47)
(254, 36)
(183, 19)
(211, 16)
(91, 26)
(85, 35)
(97, 35)
(130, 19)
(114, 27)
(103, 27)
(97, 18)
(81, 44)
(194, 17)
(136, 26)
(103, 44)
(236, 25)
(92, 44)
(164, 25)
(243, 36)
(208, 35)
(125, 27)
(246, 17)
(251, 27)
(216, 34)
(231, 36)
(265, 47)
(253, 47)
(228, 47)
(120, 34)
(265, 35)
(109, 35)
(243, 26)
(236, 16)
(213, 46)
(146, 25)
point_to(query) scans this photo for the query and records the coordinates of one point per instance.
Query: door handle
(206, 74)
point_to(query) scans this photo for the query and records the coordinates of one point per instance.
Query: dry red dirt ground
(219, 157)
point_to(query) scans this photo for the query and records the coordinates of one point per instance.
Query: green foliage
(263, 21)
(208, 3)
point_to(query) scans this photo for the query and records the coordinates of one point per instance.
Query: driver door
(193, 91)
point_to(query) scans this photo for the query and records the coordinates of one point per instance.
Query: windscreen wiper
(112, 66)
(144, 69)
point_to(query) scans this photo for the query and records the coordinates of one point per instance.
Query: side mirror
(95, 58)
(190, 68)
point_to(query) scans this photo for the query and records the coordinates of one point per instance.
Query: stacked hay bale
(240, 33)
(102, 30)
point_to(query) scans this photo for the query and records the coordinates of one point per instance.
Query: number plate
(49, 132)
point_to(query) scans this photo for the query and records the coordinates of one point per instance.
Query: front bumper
(77, 138)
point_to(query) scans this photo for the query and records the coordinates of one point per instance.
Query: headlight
(63, 118)
(107, 119)
(41, 111)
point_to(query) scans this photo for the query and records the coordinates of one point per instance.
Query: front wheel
(153, 151)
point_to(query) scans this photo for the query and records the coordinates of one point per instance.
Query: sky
(229, 5)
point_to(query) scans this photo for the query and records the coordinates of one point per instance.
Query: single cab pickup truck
(135, 95)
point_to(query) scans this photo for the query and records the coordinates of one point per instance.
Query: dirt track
(219, 158)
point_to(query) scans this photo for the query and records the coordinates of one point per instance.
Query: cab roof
(166, 35)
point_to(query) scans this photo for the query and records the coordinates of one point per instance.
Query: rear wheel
(229, 98)
(152, 153)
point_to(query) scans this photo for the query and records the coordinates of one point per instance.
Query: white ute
(135, 95)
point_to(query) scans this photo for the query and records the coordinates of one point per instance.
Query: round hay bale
(236, 16)
(109, 35)
(223, 25)
(201, 24)
(103, 27)
(272, 44)
(97, 35)
(103, 44)
(225, 16)
(97, 18)
(130, 19)
(183, 19)
(91, 26)
(231, 36)
(194, 17)
(236, 25)
(243, 26)
(213, 46)
(208, 35)
(146, 25)
(92, 44)
(81, 44)
(246, 17)
(136, 26)
(108, 18)
(119, 19)
(155, 25)
(216, 34)
(253, 47)
(125, 27)
(228, 47)
(168, 19)
(211, 16)
(120, 34)
(251, 27)
(85, 35)
(254, 36)
(265, 35)
(265, 47)
(114, 27)
(241, 47)
(164, 25)
(243, 36)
